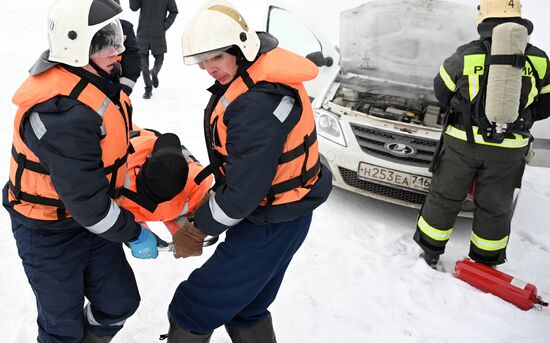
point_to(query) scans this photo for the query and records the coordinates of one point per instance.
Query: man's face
(105, 58)
(222, 67)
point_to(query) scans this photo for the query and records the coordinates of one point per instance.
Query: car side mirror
(320, 60)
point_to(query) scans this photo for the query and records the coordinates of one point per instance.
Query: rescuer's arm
(446, 80)
(66, 137)
(173, 12)
(542, 106)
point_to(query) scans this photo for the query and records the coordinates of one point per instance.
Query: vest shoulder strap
(138, 198)
(247, 79)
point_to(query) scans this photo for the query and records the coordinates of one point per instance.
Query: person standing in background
(473, 147)
(155, 18)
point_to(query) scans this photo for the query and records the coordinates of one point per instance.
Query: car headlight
(328, 126)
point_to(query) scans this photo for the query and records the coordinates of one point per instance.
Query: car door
(541, 144)
(294, 34)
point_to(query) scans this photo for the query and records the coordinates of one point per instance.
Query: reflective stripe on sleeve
(545, 90)
(37, 125)
(108, 221)
(488, 244)
(517, 142)
(473, 85)
(533, 93)
(127, 82)
(283, 109)
(219, 215)
(432, 232)
(540, 65)
(447, 79)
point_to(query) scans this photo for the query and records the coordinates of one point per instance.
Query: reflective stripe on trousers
(433, 233)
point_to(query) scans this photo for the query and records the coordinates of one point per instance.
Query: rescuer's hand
(188, 239)
(145, 246)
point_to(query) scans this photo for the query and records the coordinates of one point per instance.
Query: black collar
(485, 28)
(110, 88)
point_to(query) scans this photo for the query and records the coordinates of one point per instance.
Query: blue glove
(145, 246)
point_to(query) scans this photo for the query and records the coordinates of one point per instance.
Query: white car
(378, 122)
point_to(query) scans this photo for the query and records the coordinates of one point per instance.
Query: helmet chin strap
(113, 76)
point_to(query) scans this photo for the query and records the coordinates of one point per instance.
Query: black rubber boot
(178, 335)
(92, 338)
(432, 259)
(259, 333)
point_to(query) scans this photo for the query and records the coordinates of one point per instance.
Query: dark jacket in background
(131, 63)
(153, 23)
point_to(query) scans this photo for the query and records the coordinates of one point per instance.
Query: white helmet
(498, 9)
(215, 28)
(79, 28)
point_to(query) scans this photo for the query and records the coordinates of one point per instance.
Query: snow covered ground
(357, 277)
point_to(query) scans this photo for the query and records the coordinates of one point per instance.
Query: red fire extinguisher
(487, 279)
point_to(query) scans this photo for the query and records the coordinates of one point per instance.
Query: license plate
(394, 177)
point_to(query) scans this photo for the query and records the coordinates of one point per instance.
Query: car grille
(351, 179)
(373, 141)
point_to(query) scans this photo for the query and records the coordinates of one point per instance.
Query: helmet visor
(109, 41)
(203, 56)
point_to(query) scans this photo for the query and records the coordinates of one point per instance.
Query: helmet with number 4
(78, 29)
(214, 29)
(498, 9)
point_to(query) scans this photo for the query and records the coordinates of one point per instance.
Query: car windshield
(403, 41)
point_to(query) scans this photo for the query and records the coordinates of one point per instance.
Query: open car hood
(403, 41)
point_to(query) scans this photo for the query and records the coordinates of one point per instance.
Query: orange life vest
(31, 192)
(184, 203)
(299, 162)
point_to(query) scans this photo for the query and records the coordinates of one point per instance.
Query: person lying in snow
(160, 182)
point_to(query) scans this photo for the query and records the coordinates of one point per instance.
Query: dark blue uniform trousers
(62, 269)
(241, 279)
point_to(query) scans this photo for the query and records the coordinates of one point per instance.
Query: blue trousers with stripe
(241, 279)
(63, 268)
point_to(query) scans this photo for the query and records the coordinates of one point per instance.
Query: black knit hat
(164, 174)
